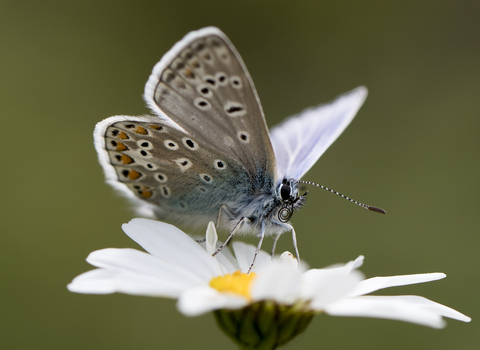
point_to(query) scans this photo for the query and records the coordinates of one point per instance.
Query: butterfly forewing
(202, 85)
(173, 170)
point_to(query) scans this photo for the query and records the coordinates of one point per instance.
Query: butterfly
(207, 154)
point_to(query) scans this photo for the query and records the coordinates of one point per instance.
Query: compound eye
(285, 192)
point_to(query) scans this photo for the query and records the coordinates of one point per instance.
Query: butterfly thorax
(272, 208)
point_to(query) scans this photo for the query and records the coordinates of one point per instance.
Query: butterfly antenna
(369, 207)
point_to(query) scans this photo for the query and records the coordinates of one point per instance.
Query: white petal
(279, 282)
(173, 245)
(226, 264)
(346, 268)
(355, 264)
(227, 254)
(372, 284)
(244, 254)
(211, 238)
(412, 309)
(197, 301)
(435, 307)
(143, 264)
(326, 286)
(288, 259)
(102, 281)
(291, 259)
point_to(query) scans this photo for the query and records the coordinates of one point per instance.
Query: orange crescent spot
(155, 127)
(146, 194)
(133, 175)
(189, 73)
(140, 130)
(126, 159)
(121, 147)
(123, 136)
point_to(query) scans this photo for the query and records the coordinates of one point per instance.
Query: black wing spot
(161, 177)
(202, 104)
(234, 109)
(219, 164)
(169, 78)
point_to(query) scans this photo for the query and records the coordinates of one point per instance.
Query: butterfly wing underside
(299, 141)
(208, 144)
(203, 86)
(177, 176)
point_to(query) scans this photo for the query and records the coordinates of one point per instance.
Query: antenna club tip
(375, 209)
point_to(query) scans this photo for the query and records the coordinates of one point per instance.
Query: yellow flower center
(237, 283)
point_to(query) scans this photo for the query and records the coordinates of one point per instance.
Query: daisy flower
(265, 308)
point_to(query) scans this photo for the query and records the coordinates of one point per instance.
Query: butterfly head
(287, 192)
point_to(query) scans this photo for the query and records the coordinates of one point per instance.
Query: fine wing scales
(169, 169)
(300, 140)
(203, 86)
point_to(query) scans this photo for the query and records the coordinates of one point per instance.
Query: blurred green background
(412, 149)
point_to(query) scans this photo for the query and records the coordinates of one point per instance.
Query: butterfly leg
(294, 239)
(232, 233)
(262, 235)
(295, 246)
(275, 243)
(227, 211)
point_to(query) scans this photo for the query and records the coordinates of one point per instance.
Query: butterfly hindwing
(202, 85)
(169, 169)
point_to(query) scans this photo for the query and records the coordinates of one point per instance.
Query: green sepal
(264, 325)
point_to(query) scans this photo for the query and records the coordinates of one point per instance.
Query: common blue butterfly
(207, 154)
